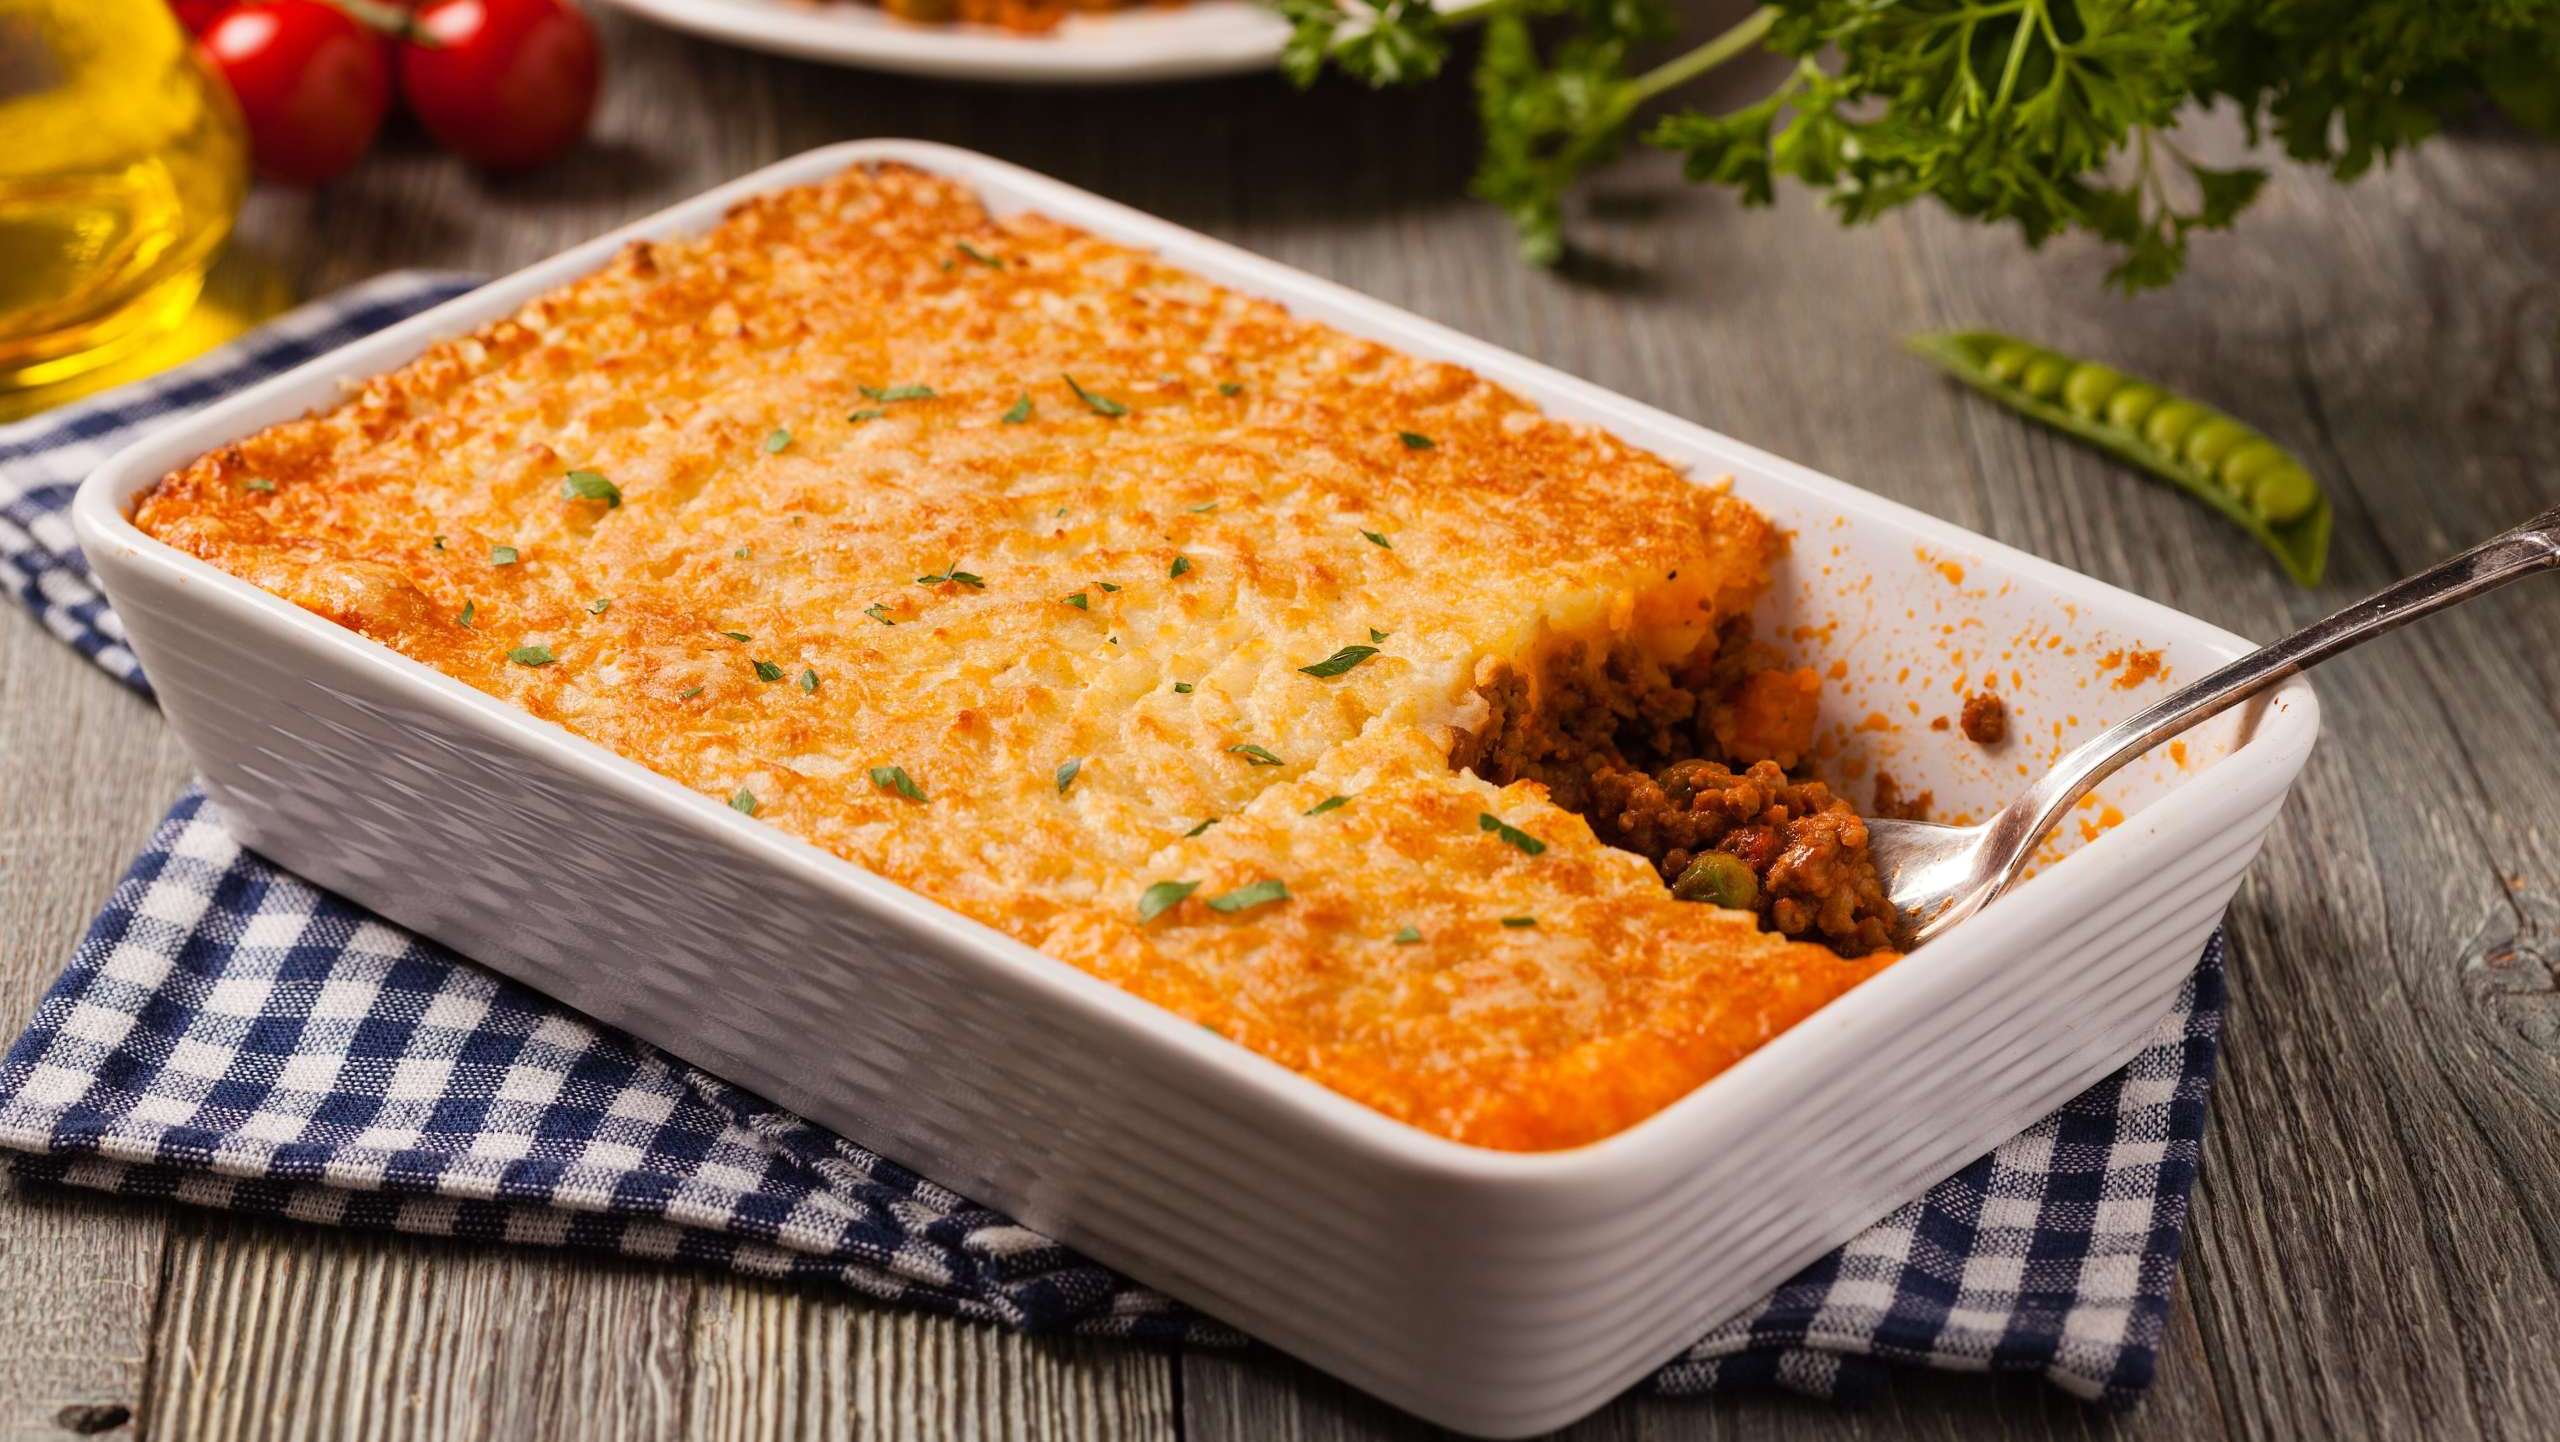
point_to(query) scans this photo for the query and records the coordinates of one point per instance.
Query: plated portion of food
(1049, 42)
(1030, 17)
(1340, 701)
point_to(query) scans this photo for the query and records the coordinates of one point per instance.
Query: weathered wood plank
(271, 1330)
(85, 770)
(1272, 1399)
(774, 1363)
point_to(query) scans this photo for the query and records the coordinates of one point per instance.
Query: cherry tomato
(195, 15)
(311, 81)
(506, 84)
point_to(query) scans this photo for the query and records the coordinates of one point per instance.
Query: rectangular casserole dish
(1499, 1293)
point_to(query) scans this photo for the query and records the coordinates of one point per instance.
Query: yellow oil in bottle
(122, 165)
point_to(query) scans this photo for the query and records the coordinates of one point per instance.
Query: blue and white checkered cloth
(229, 1035)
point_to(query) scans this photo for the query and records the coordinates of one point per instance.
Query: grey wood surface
(2377, 1239)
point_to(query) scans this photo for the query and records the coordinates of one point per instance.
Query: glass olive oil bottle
(122, 165)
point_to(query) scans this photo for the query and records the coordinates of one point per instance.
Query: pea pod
(2262, 487)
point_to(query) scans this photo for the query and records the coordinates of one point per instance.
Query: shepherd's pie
(1334, 699)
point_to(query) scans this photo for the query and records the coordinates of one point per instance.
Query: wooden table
(2377, 1238)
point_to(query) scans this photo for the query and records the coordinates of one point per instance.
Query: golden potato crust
(867, 479)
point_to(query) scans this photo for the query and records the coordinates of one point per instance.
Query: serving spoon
(1939, 875)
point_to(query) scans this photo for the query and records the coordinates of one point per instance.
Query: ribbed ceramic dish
(1497, 1293)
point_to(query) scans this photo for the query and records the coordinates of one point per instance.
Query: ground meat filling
(1892, 802)
(1673, 764)
(1985, 720)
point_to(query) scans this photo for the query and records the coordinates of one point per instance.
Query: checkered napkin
(230, 1036)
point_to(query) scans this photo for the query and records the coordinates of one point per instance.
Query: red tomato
(506, 84)
(311, 81)
(195, 15)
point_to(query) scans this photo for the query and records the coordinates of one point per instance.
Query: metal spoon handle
(2533, 546)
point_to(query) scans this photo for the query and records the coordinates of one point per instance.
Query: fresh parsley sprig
(2052, 115)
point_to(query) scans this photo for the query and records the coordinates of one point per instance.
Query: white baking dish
(1497, 1293)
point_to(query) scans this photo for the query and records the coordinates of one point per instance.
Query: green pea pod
(2261, 486)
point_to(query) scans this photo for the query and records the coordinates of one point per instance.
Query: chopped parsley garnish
(502, 555)
(1021, 412)
(1100, 405)
(1340, 661)
(1487, 821)
(1066, 773)
(1163, 897)
(1517, 923)
(744, 801)
(1256, 754)
(1228, 388)
(600, 605)
(809, 681)
(1416, 440)
(1378, 540)
(774, 443)
(257, 483)
(1260, 893)
(744, 553)
(962, 577)
(532, 656)
(889, 395)
(980, 256)
(1080, 601)
(1377, 635)
(865, 414)
(1181, 688)
(767, 671)
(1330, 803)
(737, 635)
(591, 486)
(1203, 826)
(1407, 936)
(1179, 566)
(1107, 586)
(879, 613)
(688, 693)
(1202, 510)
(895, 778)
(469, 608)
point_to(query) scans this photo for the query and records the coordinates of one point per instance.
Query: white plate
(1501, 1293)
(1202, 37)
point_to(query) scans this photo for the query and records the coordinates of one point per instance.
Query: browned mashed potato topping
(1196, 644)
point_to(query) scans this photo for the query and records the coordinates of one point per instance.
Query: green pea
(2128, 408)
(2207, 444)
(1719, 878)
(2043, 377)
(2167, 429)
(2254, 482)
(2009, 360)
(2089, 387)
(2240, 470)
(2284, 494)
